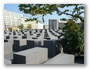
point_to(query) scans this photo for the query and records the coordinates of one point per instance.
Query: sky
(14, 8)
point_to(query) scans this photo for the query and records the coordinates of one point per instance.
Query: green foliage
(59, 28)
(73, 41)
(29, 26)
(66, 10)
(44, 9)
(21, 26)
(10, 29)
(64, 19)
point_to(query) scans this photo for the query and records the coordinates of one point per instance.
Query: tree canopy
(73, 40)
(21, 26)
(44, 9)
(29, 26)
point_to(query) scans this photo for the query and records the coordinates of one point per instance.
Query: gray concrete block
(7, 37)
(10, 41)
(19, 45)
(6, 61)
(30, 44)
(61, 59)
(31, 56)
(7, 48)
(8, 56)
(52, 47)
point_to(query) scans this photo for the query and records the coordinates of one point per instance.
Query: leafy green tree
(44, 9)
(73, 40)
(29, 26)
(21, 26)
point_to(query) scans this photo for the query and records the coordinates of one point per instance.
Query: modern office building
(53, 24)
(12, 19)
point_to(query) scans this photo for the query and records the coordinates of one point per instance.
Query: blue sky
(14, 8)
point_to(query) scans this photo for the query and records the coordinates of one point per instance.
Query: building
(12, 19)
(61, 24)
(53, 24)
(34, 24)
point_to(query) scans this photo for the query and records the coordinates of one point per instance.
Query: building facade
(53, 24)
(34, 24)
(12, 19)
(61, 24)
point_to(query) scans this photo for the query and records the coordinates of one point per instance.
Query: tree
(73, 40)
(29, 26)
(44, 9)
(73, 33)
(21, 26)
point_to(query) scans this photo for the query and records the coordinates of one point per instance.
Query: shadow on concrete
(79, 60)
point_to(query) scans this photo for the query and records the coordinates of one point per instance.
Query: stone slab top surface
(31, 51)
(60, 59)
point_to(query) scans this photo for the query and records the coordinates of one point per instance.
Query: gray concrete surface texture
(61, 59)
(23, 44)
(31, 56)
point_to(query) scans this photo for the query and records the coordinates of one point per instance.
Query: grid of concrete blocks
(36, 46)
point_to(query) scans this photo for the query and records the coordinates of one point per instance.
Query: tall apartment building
(53, 24)
(12, 19)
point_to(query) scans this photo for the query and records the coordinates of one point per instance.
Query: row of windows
(53, 24)
(11, 14)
